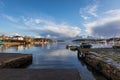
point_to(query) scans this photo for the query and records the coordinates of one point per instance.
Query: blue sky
(60, 18)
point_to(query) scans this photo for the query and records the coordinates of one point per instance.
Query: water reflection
(54, 55)
(15, 47)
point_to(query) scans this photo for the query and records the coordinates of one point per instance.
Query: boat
(71, 47)
(85, 45)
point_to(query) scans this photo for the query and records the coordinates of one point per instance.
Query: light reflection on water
(55, 56)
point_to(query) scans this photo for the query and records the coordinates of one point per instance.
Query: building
(18, 38)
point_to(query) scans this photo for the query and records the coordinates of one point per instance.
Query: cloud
(92, 10)
(10, 18)
(50, 29)
(84, 17)
(89, 11)
(113, 12)
(107, 25)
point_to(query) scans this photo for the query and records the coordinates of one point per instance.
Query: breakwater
(105, 65)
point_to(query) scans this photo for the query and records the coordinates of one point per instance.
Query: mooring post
(79, 54)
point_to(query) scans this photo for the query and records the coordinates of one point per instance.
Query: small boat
(85, 45)
(71, 47)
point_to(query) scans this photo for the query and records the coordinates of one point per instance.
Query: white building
(18, 38)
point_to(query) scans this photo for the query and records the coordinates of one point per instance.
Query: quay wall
(106, 66)
(12, 60)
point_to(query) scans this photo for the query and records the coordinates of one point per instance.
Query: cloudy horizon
(60, 19)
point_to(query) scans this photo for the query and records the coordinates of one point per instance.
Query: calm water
(55, 55)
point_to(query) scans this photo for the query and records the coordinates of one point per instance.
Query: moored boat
(85, 45)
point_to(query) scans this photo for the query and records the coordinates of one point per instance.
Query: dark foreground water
(55, 55)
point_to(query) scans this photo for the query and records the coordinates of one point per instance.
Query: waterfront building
(18, 38)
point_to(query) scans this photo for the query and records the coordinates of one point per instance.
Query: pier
(102, 60)
(14, 60)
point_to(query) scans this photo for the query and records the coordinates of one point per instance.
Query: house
(18, 38)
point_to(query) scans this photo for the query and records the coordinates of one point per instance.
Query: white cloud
(113, 12)
(88, 11)
(107, 25)
(92, 10)
(84, 17)
(10, 18)
(51, 29)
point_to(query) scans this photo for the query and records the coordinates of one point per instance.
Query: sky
(60, 19)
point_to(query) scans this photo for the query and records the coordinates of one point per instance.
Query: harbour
(59, 40)
(56, 56)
